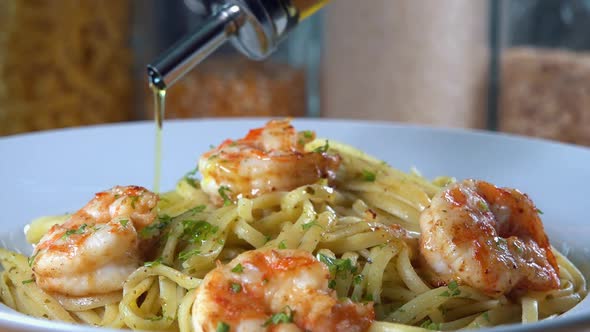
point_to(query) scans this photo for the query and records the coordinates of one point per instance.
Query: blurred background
(515, 66)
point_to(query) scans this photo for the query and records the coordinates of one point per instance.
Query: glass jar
(544, 69)
(64, 63)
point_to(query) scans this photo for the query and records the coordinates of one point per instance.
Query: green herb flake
(124, 222)
(322, 149)
(197, 209)
(238, 268)
(79, 230)
(279, 318)
(500, 241)
(223, 193)
(486, 316)
(368, 297)
(483, 206)
(308, 134)
(539, 211)
(309, 225)
(134, 200)
(197, 231)
(454, 288)
(235, 287)
(429, 325)
(156, 227)
(358, 279)
(31, 259)
(445, 294)
(184, 255)
(156, 262)
(332, 284)
(368, 176)
(28, 281)
(518, 248)
(453, 285)
(222, 327)
(337, 266)
(190, 177)
(282, 245)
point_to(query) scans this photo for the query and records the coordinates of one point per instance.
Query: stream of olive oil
(159, 108)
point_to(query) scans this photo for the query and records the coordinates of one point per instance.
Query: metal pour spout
(195, 47)
(254, 27)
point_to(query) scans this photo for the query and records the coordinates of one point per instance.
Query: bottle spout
(195, 47)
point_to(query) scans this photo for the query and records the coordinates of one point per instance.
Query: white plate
(55, 172)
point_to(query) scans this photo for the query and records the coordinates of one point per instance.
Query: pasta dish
(282, 231)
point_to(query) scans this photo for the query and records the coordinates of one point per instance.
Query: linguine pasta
(364, 228)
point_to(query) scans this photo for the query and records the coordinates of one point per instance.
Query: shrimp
(279, 290)
(489, 238)
(97, 248)
(268, 159)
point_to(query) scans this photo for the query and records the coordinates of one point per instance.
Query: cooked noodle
(352, 227)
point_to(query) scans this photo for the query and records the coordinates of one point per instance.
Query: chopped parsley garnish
(31, 259)
(238, 268)
(223, 193)
(500, 241)
(310, 224)
(222, 327)
(445, 294)
(279, 318)
(337, 266)
(368, 297)
(133, 200)
(156, 227)
(198, 208)
(323, 148)
(486, 316)
(28, 281)
(332, 284)
(124, 222)
(429, 325)
(197, 230)
(156, 262)
(483, 206)
(539, 211)
(453, 285)
(184, 255)
(358, 279)
(190, 178)
(308, 134)
(235, 287)
(282, 245)
(368, 176)
(518, 248)
(79, 230)
(454, 290)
